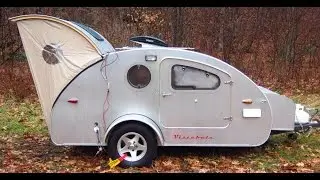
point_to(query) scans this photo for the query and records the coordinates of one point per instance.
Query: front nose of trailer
(301, 115)
(305, 118)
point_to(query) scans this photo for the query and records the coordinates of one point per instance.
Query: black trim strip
(73, 80)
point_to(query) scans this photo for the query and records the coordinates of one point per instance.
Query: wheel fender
(139, 118)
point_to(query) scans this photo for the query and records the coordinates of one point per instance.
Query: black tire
(142, 130)
(293, 136)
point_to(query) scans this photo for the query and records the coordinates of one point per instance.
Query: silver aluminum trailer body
(135, 99)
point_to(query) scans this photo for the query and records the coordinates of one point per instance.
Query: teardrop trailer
(133, 99)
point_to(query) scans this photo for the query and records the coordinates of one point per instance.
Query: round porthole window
(139, 76)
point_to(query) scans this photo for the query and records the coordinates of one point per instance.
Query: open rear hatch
(57, 50)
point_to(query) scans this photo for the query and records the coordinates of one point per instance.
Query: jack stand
(96, 130)
(309, 131)
(100, 149)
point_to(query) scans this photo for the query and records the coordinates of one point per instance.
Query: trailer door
(194, 95)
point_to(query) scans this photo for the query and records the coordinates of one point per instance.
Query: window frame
(192, 88)
(136, 86)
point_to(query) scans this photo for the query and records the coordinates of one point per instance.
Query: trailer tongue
(306, 120)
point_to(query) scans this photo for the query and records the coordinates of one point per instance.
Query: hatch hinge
(229, 82)
(228, 118)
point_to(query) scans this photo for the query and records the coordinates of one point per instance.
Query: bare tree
(275, 46)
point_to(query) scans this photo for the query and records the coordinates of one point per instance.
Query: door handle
(166, 94)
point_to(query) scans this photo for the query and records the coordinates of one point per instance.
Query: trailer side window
(190, 78)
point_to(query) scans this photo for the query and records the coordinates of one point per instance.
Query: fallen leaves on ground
(38, 154)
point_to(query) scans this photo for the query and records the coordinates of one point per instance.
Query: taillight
(73, 100)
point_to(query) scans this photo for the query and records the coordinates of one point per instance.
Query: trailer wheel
(293, 136)
(136, 141)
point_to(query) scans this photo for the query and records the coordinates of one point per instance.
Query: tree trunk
(2, 35)
(177, 26)
(221, 32)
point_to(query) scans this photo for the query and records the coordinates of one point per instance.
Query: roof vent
(148, 41)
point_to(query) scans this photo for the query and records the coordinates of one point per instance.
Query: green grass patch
(19, 118)
(278, 154)
(280, 150)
